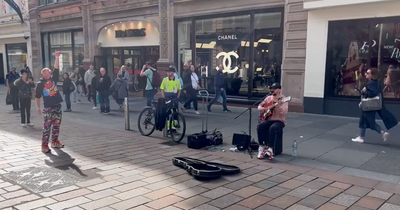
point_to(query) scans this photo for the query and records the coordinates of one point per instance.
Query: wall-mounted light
(120, 22)
(113, 24)
(105, 27)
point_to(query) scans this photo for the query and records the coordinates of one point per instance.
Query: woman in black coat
(367, 119)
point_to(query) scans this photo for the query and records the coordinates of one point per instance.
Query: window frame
(371, 22)
(55, 2)
(49, 44)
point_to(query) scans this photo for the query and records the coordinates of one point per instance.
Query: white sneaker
(358, 140)
(94, 108)
(261, 150)
(270, 152)
(23, 125)
(30, 124)
(385, 136)
(197, 112)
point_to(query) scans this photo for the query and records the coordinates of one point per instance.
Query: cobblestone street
(108, 169)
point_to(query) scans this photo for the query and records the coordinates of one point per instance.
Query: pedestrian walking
(190, 85)
(68, 88)
(103, 89)
(25, 85)
(219, 90)
(93, 89)
(11, 88)
(119, 90)
(367, 119)
(89, 75)
(78, 81)
(52, 113)
(148, 71)
(82, 75)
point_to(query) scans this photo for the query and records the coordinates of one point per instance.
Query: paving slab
(346, 157)
(370, 175)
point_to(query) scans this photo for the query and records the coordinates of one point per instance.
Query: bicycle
(174, 121)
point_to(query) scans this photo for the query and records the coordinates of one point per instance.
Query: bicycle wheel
(149, 121)
(177, 124)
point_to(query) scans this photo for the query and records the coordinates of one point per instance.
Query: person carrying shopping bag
(119, 90)
(371, 104)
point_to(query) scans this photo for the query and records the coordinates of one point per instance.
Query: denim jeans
(149, 96)
(68, 100)
(222, 93)
(364, 130)
(104, 101)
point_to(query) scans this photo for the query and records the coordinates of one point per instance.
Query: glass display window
(16, 56)
(353, 47)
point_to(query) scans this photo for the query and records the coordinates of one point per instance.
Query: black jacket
(367, 119)
(161, 114)
(187, 80)
(67, 84)
(103, 83)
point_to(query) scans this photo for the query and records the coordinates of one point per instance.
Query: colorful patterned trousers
(52, 122)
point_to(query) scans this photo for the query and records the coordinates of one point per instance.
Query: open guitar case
(204, 170)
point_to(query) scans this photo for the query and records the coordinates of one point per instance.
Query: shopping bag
(220, 100)
(8, 99)
(97, 98)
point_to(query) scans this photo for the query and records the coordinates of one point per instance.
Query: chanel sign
(130, 33)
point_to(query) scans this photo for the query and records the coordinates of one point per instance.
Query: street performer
(267, 128)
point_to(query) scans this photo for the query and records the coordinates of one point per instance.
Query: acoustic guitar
(269, 111)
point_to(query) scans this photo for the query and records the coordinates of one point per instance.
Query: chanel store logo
(227, 61)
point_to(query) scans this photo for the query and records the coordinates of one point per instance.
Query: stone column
(294, 53)
(166, 35)
(35, 39)
(87, 57)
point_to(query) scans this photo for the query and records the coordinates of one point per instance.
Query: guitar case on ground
(200, 169)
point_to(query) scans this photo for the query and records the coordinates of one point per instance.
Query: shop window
(226, 42)
(267, 51)
(71, 46)
(62, 42)
(78, 48)
(184, 46)
(44, 2)
(353, 47)
(16, 56)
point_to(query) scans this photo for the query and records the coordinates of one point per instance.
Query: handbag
(371, 104)
(9, 99)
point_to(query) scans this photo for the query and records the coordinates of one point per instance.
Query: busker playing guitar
(267, 128)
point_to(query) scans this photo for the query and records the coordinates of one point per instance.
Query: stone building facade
(97, 21)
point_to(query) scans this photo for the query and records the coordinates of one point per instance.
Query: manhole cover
(40, 179)
(169, 143)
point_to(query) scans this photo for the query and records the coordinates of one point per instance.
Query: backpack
(156, 80)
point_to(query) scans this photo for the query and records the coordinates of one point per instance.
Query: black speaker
(241, 141)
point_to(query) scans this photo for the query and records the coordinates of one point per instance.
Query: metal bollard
(126, 114)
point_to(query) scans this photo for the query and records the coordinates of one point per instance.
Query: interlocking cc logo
(227, 62)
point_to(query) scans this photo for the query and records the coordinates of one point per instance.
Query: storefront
(129, 43)
(346, 42)
(247, 44)
(69, 43)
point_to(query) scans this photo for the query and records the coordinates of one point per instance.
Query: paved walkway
(103, 168)
(324, 142)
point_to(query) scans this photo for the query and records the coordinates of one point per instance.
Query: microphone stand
(250, 113)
